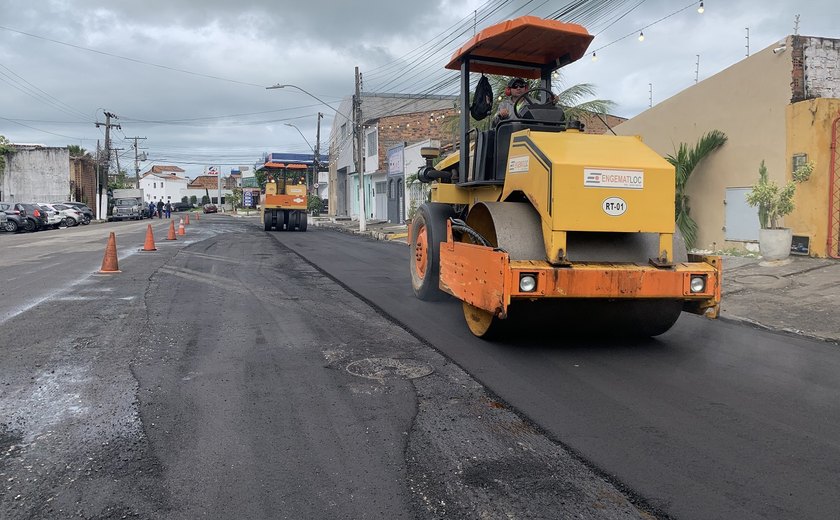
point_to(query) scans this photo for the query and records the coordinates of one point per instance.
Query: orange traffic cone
(149, 245)
(109, 262)
(171, 235)
(181, 230)
(187, 220)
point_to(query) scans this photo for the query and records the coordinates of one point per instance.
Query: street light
(314, 164)
(301, 134)
(313, 96)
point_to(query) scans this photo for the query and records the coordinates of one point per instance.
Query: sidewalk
(800, 295)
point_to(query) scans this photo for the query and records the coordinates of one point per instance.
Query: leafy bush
(314, 203)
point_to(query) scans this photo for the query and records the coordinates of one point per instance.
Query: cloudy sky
(190, 76)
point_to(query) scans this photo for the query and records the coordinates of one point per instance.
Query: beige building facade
(779, 106)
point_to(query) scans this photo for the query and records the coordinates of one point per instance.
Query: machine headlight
(698, 284)
(527, 282)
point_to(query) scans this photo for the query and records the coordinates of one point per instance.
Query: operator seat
(485, 146)
(503, 133)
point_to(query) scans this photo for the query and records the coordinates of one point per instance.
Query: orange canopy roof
(283, 165)
(524, 40)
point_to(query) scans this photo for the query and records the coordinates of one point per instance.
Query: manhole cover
(381, 368)
(763, 280)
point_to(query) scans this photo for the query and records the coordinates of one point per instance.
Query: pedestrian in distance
(168, 209)
(160, 208)
(152, 209)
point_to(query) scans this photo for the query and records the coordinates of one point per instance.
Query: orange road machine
(537, 218)
(283, 205)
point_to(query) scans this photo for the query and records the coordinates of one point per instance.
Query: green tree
(314, 204)
(685, 161)
(261, 177)
(235, 198)
(5, 148)
(76, 150)
(573, 100)
(193, 200)
(120, 181)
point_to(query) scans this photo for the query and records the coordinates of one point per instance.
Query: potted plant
(774, 202)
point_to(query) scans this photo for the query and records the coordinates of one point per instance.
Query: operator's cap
(517, 82)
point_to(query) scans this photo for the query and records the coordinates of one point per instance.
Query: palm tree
(572, 99)
(685, 161)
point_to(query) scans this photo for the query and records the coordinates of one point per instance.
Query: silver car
(66, 215)
(54, 218)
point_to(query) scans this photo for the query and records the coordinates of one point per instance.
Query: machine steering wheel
(525, 102)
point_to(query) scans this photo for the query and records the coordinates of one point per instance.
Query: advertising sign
(395, 160)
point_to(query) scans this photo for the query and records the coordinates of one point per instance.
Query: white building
(163, 183)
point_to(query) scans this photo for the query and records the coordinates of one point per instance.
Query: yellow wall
(809, 132)
(747, 102)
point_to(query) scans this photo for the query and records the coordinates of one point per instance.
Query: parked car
(32, 217)
(87, 213)
(210, 208)
(54, 218)
(70, 216)
(181, 206)
(14, 220)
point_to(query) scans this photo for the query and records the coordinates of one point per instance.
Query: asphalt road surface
(236, 373)
(710, 420)
(222, 376)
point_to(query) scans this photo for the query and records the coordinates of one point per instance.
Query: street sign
(247, 199)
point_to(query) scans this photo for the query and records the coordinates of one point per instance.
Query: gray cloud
(314, 44)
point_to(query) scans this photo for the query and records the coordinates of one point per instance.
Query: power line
(135, 60)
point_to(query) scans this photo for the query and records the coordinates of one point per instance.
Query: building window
(371, 144)
(799, 159)
(154, 185)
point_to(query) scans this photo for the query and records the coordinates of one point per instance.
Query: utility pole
(103, 182)
(357, 127)
(136, 162)
(650, 95)
(317, 162)
(117, 159)
(98, 182)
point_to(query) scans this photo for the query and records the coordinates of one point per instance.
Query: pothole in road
(383, 368)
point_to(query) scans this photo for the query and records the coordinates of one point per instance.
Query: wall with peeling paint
(36, 174)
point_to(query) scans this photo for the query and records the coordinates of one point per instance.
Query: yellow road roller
(284, 201)
(534, 217)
